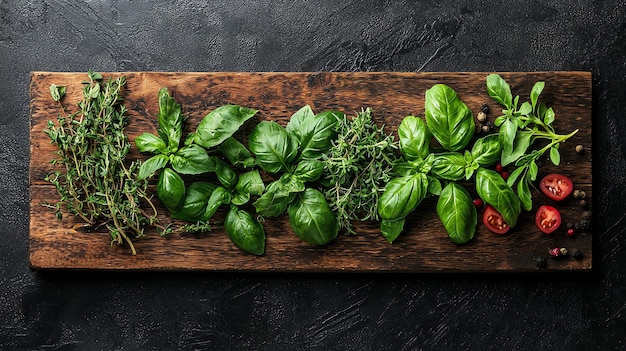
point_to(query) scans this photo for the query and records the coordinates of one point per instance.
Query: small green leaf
(225, 175)
(499, 120)
(152, 165)
(555, 156)
(414, 138)
(148, 142)
(499, 90)
(449, 165)
(236, 153)
(245, 231)
(57, 92)
(523, 192)
(296, 120)
(391, 229)
(221, 123)
(507, 133)
(171, 190)
(315, 134)
(309, 170)
(514, 176)
(434, 186)
(533, 170)
(170, 118)
(535, 92)
(549, 117)
(457, 213)
(311, 218)
(274, 148)
(525, 109)
(520, 144)
(196, 198)
(192, 159)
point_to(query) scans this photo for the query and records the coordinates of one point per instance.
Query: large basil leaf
(274, 148)
(152, 165)
(414, 138)
(236, 153)
(196, 198)
(449, 120)
(275, 199)
(170, 118)
(249, 183)
(520, 144)
(312, 219)
(296, 120)
(499, 90)
(507, 133)
(317, 133)
(457, 213)
(309, 170)
(486, 150)
(245, 231)
(392, 229)
(148, 142)
(494, 190)
(449, 165)
(192, 159)
(171, 190)
(220, 124)
(402, 195)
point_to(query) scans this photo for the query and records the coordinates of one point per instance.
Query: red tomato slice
(547, 219)
(556, 186)
(492, 219)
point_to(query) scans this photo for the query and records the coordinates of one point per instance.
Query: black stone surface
(189, 311)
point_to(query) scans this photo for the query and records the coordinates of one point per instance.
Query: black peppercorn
(577, 254)
(485, 108)
(540, 262)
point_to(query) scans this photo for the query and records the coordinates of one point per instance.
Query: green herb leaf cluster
(520, 126)
(357, 167)
(293, 153)
(96, 183)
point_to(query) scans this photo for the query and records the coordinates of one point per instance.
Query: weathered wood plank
(424, 248)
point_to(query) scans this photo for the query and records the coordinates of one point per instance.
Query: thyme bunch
(358, 165)
(94, 181)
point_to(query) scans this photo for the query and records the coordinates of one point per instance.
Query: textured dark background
(143, 311)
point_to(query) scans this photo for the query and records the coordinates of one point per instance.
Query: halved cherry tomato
(492, 219)
(556, 186)
(547, 219)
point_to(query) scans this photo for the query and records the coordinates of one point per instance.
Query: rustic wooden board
(424, 247)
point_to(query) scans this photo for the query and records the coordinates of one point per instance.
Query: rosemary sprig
(94, 182)
(358, 166)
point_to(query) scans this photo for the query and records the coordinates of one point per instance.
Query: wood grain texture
(424, 247)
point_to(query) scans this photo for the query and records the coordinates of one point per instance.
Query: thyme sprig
(358, 166)
(94, 181)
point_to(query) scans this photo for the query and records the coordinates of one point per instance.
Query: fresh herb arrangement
(96, 183)
(324, 170)
(358, 165)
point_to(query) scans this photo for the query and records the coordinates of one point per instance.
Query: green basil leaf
(152, 165)
(535, 92)
(523, 193)
(391, 229)
(221, 123)
(549, 117)
(525, 109)
(507, 133)
(316, 134)
(514, 176)
(249, 183)
(275, 199)
(148, 142)
(190, 139)
(296, 120)
(449, 165)
(192, 159)
(57, 92)
(449, 120)
(219, 197)
(555, 156)
(274, 148)
(236, 153)
(414, 138)
(309, 170)
(499, 120)
(170, 118)
(541, 111)
(499, 90)
(403, 168)
(486, 150)
(225, 175)
(311, 218)
(520, 145)
(494, 190)
(196, 198)
(402, 195)
(171, 190)
(434, 186)
(245, 231)
(457, 213)
(533, 171)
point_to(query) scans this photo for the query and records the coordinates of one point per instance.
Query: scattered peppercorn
(577, 254)
(485, 108)
(481, 116)
(505, 175)
(478, 203)
(499, 168)
(580, 149)
(583, 204)
(571, 231)
(486, 128)
(579, 194)
(540, 262)
(564, 251)
(555, 252)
